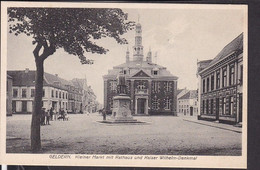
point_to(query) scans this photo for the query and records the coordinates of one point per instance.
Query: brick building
(221, 84)
(152, 88)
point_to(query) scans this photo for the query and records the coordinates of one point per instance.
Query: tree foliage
(73, 29)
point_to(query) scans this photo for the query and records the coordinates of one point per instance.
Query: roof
(23, 78)
(235, 45)
(137, 66)
(190, 95)
(179, 91)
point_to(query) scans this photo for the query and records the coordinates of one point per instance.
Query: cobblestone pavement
(161, 135)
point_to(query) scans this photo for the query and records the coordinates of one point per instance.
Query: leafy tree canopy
(72, 29)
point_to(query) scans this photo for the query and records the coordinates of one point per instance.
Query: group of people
(51, 114)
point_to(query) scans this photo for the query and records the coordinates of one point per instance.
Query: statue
(121, 83)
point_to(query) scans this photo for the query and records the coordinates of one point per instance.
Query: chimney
(26, 70)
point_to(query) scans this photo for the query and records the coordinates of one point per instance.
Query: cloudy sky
(179, 36)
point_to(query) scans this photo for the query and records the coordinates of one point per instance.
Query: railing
(141, 91)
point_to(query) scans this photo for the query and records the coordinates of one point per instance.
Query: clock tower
(138, 47)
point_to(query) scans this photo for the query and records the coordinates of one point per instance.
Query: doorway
(24, 106)
(191, 111)
(240, 108)
(217, 108)
(141, 106)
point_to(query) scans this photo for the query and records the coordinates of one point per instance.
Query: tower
(149, 56)
(138, 47)
(127, 55)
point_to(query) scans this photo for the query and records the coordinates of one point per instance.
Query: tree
(73, 29)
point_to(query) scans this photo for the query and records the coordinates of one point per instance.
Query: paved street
(164, 135)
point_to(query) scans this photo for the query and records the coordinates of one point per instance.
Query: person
(43, 116)
(51, 113)
(62, 113)
(48, 115)
(104, 114)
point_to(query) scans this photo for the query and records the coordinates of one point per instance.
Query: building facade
(55, 91)
(221, 84)
(9, 85)
(180, 93)
(188, 103)
(151, 87)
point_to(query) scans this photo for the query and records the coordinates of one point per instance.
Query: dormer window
(124, 71)
(155, 72)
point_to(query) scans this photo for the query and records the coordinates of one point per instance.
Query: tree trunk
(36, 114)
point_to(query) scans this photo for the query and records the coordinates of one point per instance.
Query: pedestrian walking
(104, 114)
(51, 114)
(48, 115)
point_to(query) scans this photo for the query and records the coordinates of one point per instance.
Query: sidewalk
(215, 124)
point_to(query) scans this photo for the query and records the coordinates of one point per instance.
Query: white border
(43, 159)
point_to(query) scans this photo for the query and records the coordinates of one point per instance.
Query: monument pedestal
(121, 112)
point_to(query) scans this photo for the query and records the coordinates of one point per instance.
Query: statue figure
(121, 83)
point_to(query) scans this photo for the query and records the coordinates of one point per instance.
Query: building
(151, 87)
(55, 91)
(188, 103)
(9, 85)
(180, 93)
(221, 84)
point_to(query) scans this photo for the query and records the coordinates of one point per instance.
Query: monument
(121, 112)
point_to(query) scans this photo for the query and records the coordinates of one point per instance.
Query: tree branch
(36, 50)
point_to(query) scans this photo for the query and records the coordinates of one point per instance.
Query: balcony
(141, 91)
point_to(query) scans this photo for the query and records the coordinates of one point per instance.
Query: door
(217, 108)
(14, 106)
(24, 106)
(191, 111)
(240, 108)
(140, 106)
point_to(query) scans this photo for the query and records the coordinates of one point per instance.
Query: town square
(130, 81)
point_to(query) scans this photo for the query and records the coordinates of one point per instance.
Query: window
(203, 86)
(167, 104)
(232, 75)
(32, 92)
(66, 95)
(60, 95)
(141, 86)
(218, 80)
(207, 106)
(156, 86)
(167, 86)
(223, 106)
(15, 92)
(52, 93)
(43, 92)
(241, 75)
(124, 71)
(212, 82)
(113, 86)
(231, 105)
(207, 84)
(56, 94)
(63, 95)
(224, 79)
(155, 72)
(24, 91)
(211, 106)
(155, 104)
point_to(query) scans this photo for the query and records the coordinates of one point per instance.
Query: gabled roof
(137, 64)
(235, 45)
(141, 73)
(179, 91)
(190, 95)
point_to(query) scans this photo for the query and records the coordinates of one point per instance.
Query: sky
(180, 37)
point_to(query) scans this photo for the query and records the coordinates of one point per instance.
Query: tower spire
(138, 47)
